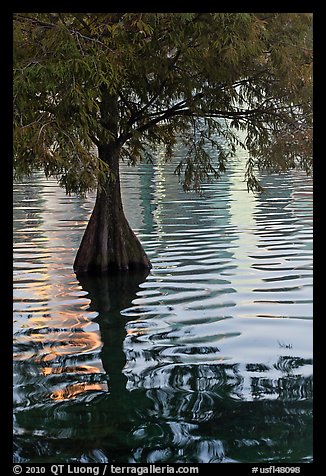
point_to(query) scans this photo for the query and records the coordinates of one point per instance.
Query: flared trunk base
(109, 245)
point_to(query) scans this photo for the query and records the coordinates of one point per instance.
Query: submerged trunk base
(109, 245)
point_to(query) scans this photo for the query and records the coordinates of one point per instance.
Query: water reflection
(282, 258)
(171, 413)
(109, 296)
(83, 414)
(206, 359)
(187, 412)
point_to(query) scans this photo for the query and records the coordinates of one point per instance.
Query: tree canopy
(147, 80)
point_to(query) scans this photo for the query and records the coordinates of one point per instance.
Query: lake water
(206, 359)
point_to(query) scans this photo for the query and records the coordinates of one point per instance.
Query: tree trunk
(109, 245)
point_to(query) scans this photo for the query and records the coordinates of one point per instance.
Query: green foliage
(148, 80)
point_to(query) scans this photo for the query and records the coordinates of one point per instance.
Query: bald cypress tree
(92, 89)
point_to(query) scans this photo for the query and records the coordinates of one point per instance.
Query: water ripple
(207, 359)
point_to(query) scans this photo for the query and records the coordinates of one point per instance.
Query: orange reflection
(71, 391)
(85, 369)
(67, 343)
(139, 331)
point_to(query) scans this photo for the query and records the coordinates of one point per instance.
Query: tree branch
(174, 112)
(23, 18)
(127, 103)
(161, 87)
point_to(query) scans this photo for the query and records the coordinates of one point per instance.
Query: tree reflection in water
(176, 412)
(171, 412)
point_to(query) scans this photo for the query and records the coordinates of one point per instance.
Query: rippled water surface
(206, 359)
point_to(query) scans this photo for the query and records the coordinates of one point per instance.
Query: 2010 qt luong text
(59, 469)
